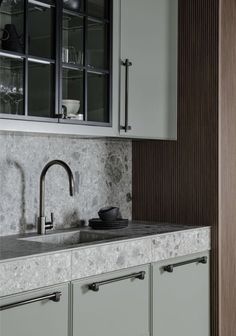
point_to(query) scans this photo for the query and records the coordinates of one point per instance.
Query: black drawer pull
(170, 268)
(55, 297)
(95, 286)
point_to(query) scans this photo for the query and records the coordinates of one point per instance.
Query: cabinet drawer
(181, 304)
(36, 313)
(114, 304)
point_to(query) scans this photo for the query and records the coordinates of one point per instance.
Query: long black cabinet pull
(95, 286)
(127, 65)
(170, 268)
(55, 297)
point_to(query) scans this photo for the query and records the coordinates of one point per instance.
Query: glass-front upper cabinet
(12, 62)
(28, 59)
(86, 54)
(41, 38)
(55, 60)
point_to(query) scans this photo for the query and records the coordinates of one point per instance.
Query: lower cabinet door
(116, 304)
(37, 313)
(181, 297)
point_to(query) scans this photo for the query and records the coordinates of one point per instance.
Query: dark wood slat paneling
(178, 181)
(180, 178)
(227, 150)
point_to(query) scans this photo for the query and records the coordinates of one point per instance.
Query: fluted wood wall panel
(227, 150)
(178, 181)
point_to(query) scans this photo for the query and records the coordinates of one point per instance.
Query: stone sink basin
(71, 238)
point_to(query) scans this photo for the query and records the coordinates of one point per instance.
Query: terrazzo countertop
(30, 264)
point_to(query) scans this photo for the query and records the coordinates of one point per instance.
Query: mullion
(85, 64)
(110, 59)
(58, 60)
(26, 66)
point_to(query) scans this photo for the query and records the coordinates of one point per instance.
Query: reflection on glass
(41, 31)
(73, 32)
(12, 25)
(41, 90)
(73, 94)
(97, 53)
(98, 8)
(11, 86)
(49, 2)
(73, 5)
(98, 97)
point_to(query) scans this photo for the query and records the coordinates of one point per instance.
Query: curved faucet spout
(42, 225)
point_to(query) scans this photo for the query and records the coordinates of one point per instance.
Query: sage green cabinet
(119, 307)
(148, 84)
(163, 299)
(36, 313)
(181, 298)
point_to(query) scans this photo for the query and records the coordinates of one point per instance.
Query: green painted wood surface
(119, 308)
(181, 303)
(44, 318)
(149, 39)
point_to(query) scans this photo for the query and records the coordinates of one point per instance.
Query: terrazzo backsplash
(102, 170)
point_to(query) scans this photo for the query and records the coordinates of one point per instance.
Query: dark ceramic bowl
(109, 213)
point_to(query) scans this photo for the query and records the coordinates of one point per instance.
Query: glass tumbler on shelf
(11, 86)
(73, 39)
(15, 91)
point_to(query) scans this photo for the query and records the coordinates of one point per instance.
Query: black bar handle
(170, 268)
(96, 285)
(55, 297)
(127, 65)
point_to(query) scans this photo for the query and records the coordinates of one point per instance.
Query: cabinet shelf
(11, 54)
(84, 14)
(7, 8)
(16, 55)
(41, 60)
(90, 69)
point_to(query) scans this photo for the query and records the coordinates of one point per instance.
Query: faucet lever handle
(52, 217)
(49, 225)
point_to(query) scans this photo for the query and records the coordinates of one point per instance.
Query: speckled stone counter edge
(34, 272)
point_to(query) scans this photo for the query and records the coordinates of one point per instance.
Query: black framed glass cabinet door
(55, 61)
(28, 63)
(86, 62)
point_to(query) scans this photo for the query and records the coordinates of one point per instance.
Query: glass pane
(98, 8)
(11, 86)
(98, 98)
(73, 94)
(12, 25)
(74, 5)
(73, 41)
(41, 31)
(97, 53)
(41, 90)
(49, 2)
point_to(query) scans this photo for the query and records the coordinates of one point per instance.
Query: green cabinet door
(119, 307)
(181, 297)
(149, 39)
(37, 313)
